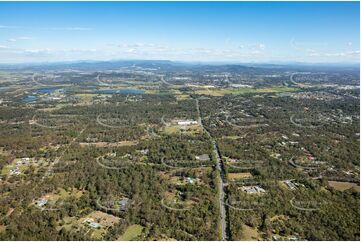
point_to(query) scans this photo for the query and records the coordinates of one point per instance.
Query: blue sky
(186, 31)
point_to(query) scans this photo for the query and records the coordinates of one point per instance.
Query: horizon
(205, 32)
(215, 63)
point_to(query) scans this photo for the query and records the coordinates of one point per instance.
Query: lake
(47, 90)
(29, 99)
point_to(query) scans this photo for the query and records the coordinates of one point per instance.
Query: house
(190, 180)
(91, 223)
(94, 225)
(123, 204)
(113, 154)
(310, 157)
(293, 142)
(144, 152)
(204, 157)
(41, 202)
(232, 160)
(276, 237)
(186, 122)
(253, 189)
(290, 184)
(15, 171)
(292, 238)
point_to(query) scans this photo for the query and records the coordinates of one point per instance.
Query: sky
(239, 32)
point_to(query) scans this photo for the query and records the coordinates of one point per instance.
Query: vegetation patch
(131, 233)
(249, 233)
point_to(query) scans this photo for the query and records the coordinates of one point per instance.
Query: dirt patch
(102, 218)
(249, 233)
(239, 176)
(131, 233)
(279, 217)
(2, 228)
(109, 144)
(342, 186)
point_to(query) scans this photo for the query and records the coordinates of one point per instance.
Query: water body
(47, 90)
(112, 91)
(4, 88)
(29, 99)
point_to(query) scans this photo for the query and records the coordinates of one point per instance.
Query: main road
(220, 168)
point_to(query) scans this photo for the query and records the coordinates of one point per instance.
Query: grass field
(109, 144)
(189, 129)
(342, 186)
(131, 233)
(249, 233)
(244, 90)
(239, 176)
(231, 137)
(182, 97)
(86, 98)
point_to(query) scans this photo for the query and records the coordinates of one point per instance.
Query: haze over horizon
(233, 32)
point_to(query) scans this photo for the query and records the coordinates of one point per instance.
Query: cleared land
(131, 233)
(237, 91)
(239, 176)
(342, 186)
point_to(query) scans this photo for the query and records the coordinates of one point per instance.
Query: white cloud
(314, 51)
(250, 52)
(19, 38)
(296, 44)
(69, 28)
(8, 27)
(348, 54)
(255, 47)
(25, 38)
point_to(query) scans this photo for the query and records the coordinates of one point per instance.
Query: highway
(220, 168)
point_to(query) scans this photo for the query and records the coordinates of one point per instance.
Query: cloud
(302, 45)
(69, 28)
(8, 27)
(19, 38)
(139, 45)
(348, 54)
(312, 50)
(140, 50)
(25, 38)
(256, 47)
(261, 46)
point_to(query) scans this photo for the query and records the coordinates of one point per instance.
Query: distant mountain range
(167, 65)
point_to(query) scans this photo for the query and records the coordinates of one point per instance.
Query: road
(57, 159)
(47, 85)
(164, 81)
(221, 183)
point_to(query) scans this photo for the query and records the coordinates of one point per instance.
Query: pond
(29, 99)
(47, 90)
